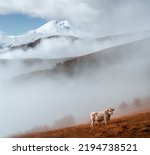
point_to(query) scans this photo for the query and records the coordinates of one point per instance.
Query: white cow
(101, 116)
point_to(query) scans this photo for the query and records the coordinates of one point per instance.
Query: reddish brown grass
(132, 126)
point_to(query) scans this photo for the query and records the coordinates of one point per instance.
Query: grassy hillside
(137, 125)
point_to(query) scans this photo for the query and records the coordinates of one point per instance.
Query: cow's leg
(105, 120)
(92, 123)
(92, 120)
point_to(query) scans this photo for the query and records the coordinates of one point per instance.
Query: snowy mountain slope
(35, 43)
(59, 46)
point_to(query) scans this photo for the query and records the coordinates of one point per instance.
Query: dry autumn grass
(131, 126)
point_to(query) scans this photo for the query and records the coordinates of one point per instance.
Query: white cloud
(96, 16)
(75, 11)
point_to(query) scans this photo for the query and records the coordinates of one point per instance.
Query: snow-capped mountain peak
(54, 27)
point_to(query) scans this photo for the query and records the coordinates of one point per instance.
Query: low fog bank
(65, 121)
(123, 75)
(55, 47)
(137, 105)
(15, 67)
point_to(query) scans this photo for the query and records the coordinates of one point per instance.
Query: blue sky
(17, 24)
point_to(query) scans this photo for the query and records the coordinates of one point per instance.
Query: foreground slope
(132, 126)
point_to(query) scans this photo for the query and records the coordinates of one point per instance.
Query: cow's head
(110, 111)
